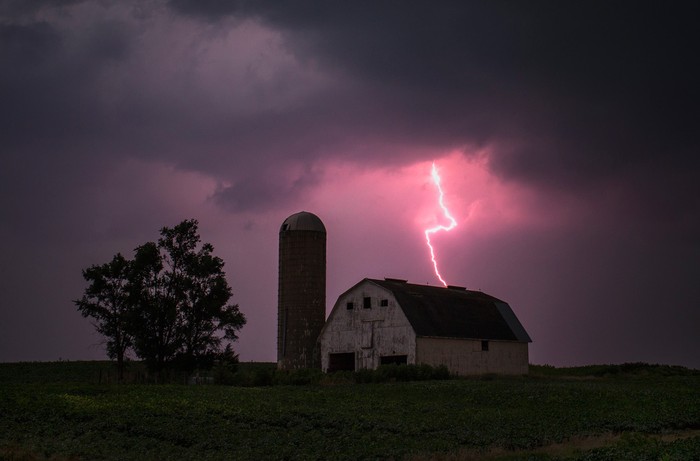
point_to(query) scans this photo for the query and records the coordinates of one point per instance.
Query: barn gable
(367, 321)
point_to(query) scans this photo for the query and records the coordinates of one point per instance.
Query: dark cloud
(589, 104)
(211, 10)
(21, 8)
(25, 50)
(48, 85)
(260, 193)
(571, 93)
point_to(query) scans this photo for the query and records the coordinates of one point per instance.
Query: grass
(640, 412)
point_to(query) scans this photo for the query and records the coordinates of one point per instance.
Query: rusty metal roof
(455, 312)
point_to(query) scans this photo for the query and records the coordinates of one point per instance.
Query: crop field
(646, 412)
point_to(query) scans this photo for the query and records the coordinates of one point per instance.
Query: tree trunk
(120, 367)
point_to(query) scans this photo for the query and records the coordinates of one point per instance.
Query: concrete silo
(301, 306)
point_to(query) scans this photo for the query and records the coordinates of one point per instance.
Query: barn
(392, 321)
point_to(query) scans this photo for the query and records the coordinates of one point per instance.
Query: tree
(182, 294)
(107, 301)
(154, 319)
(206, 320)
(176, 296)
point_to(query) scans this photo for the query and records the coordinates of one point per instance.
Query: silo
(301, 306)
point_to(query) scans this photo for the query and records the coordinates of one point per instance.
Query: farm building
(391, 321)
(301, 291)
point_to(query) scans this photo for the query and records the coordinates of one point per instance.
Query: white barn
(391, 321)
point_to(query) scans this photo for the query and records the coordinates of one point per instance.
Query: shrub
(269, 376)
(401, 373)
(299, 377)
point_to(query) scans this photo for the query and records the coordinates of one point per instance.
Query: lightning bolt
(446, 212)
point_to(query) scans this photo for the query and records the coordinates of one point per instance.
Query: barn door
(367, 335)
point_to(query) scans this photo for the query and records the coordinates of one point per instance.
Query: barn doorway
(393, 360)
(342, 361)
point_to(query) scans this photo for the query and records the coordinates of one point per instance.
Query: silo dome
(303, 221)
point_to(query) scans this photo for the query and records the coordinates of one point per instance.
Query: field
(59, 411)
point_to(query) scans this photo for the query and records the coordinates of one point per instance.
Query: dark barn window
(367, 303)
(384, 302)
(484, 345)
(349, 306)
(342, 361)
(393, 360)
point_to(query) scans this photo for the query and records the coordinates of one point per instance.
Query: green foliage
(83, 372)
(268, 375)
(642, 447)
(169, 304)
(389, 420)
(106, 301)
(401, 373)
(630, 370)
(300, 377)
(246, 374)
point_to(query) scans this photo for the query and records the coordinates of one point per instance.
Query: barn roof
(455, 312)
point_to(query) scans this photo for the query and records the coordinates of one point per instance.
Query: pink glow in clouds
(432, 230)
(376, 216)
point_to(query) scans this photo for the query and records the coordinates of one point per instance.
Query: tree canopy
(169, 305)
(107, 301)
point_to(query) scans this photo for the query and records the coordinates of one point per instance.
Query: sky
(565, 134)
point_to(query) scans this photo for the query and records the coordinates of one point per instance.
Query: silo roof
(303, 221)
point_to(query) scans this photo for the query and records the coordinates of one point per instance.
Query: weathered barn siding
(370, 333)
(466, 357)
(368, 327)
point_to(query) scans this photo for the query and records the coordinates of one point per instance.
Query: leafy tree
(154, 319)
(107, 301)
(176, 296)
(182, 293)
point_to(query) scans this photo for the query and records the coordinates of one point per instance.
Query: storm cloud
(567, 133)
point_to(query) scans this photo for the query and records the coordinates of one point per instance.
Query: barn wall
(466, 357)
(370, 333)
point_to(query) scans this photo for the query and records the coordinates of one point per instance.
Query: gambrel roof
(454, 312)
